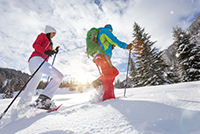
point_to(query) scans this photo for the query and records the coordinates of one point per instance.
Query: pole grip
(57, 48)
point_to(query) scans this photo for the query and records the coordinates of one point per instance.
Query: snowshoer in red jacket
(43, 46)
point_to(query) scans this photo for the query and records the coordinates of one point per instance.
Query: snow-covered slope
(168, 109)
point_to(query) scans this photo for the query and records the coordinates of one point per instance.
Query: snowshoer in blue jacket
(107, 42)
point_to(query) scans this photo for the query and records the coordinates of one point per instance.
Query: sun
(83, 78)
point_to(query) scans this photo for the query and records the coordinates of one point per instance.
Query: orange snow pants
(108, 75)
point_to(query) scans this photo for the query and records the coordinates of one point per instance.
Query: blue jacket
(107, 39)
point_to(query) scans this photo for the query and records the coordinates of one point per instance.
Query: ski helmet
(109, 27)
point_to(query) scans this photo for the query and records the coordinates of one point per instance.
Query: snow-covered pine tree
(72, 85)
(171, 76)
(133, 72)
(195, 59)
(188, 55)
(150, 67)
(9, 88)
(117, 83)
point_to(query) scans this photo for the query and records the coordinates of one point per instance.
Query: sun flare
(83, 78)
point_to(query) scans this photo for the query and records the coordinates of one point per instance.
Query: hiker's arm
(114, 41)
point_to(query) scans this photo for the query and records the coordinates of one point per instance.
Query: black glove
(113, 46)
(49, 52)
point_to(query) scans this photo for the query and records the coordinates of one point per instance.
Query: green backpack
(92, 44)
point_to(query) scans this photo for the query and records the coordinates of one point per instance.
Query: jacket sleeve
(111, 39)
(37, 45)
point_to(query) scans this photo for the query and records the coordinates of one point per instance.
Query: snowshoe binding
(44, 102)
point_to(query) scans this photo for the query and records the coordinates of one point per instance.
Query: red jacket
(40, 45)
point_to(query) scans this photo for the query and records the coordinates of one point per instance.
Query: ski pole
(53, 63)
(23, 87)
(129, 58)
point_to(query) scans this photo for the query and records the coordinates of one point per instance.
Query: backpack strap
(103, 43)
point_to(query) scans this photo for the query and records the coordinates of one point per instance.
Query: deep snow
(167, 109)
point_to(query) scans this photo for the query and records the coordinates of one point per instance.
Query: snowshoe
(97, 96)
(44, 102)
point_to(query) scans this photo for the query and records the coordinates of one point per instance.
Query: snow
(166, 109)
(192, 70)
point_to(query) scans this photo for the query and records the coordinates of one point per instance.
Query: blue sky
(22, 21)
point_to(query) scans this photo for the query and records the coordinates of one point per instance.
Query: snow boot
(98, 94)
(97, 83)
(44, 102)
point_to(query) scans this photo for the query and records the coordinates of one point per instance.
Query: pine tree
(150, 67)
(188, 55)
(8, 89)
(133, 72)
(80, 87)
(72, 85)
(88, 84)
(171, 75)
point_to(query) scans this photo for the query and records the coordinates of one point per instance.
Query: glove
(129, 46)
(50, 52)
(113, 46)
